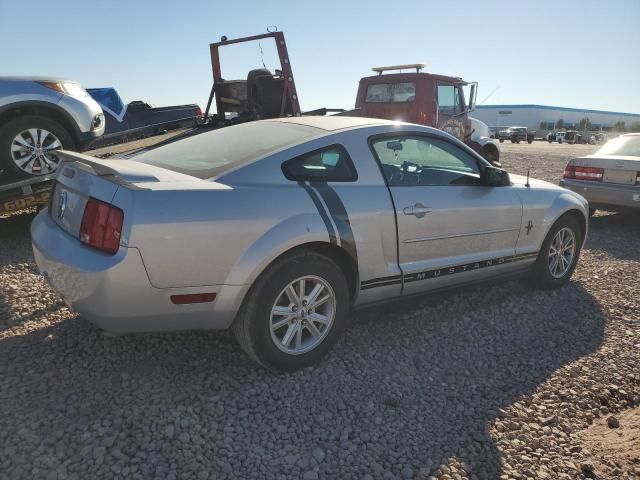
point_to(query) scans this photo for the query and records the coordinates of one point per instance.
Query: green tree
(635, 127)
(585, 124)
(559, 124)
(619, 127)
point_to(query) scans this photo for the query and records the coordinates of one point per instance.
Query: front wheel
(559, 254)
(294, 313)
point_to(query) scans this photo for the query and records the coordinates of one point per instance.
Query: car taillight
(199, 112)
(101, 226)
(569, 172)
(592, 174)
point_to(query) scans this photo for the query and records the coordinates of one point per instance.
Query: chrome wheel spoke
(320, 302)
(291, 331)
(313, 330)
(316, 317)
(292, 295)
(313, 296)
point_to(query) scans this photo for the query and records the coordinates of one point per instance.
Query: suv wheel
(28, 146)
(294, 313)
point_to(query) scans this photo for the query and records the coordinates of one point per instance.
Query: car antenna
(528, 172)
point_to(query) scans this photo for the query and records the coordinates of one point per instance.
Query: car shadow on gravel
(615, 234)
(411, 385)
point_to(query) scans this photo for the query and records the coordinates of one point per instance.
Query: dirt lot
(494, 382)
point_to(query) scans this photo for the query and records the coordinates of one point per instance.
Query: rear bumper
(114, 292)
(605, 195)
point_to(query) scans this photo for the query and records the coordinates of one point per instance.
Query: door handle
(418, 210)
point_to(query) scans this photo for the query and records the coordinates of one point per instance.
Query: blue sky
(571, 53)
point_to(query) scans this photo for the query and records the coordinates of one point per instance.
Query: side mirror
(495, 177)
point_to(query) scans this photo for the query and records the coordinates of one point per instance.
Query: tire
(252, 326)
(25, 128)
(559, 140)
(502, 140)
(542, 274)
(529, 142)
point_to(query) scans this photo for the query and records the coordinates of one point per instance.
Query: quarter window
(330, 164)
(415, 161)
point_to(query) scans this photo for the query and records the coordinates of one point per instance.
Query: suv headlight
(68, 88)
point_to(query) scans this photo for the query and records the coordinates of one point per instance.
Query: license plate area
(625, 177)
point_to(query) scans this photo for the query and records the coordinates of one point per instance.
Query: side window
(449, 100)
(416, 161)
(329, 164)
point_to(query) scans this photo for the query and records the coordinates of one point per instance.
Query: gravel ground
(497, 381)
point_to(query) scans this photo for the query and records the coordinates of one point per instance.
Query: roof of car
(334, 122)
(35, 79)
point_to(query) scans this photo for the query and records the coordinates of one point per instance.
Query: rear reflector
(101, 226)
(193, 298)
(592, 174)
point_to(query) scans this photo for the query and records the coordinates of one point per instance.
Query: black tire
(530, 141)
(11, 129)
(501, 140)
(559, 140)
(541, 275)
(252, 325)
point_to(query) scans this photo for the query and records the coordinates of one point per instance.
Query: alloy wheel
(562, 251)
(34, 151)
(302, 315)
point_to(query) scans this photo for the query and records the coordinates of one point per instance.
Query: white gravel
(491, 382)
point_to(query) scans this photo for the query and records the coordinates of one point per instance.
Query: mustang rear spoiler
(99, 167)
(123, 174)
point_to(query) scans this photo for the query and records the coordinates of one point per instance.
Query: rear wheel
(559, 254)
(29, 144)
(294, 313)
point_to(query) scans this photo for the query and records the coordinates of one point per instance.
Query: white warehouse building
(543, 118)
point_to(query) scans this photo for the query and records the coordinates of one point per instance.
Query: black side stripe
(444, 271)
(323, 214)
(340, 217)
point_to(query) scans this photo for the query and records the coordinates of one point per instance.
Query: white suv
(39, 116)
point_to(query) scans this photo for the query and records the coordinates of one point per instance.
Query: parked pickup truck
(516, 135)
(125, 122)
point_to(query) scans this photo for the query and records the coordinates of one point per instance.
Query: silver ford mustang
(278, 227)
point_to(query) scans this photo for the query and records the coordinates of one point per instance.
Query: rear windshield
(628, 146)
(210, 154)
(391, 92)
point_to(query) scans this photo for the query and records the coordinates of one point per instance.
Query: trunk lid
(81, 177)
(618, 169)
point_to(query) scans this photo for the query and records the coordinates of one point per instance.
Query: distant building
(543, 118)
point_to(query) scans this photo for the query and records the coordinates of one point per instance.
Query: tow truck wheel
(28, 146)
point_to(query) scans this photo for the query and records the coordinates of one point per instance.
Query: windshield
(210, 154)
(623, 145)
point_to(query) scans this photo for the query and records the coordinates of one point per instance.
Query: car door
(450, 108)
(451, 227)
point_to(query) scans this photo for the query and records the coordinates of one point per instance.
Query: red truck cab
(424, 98)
